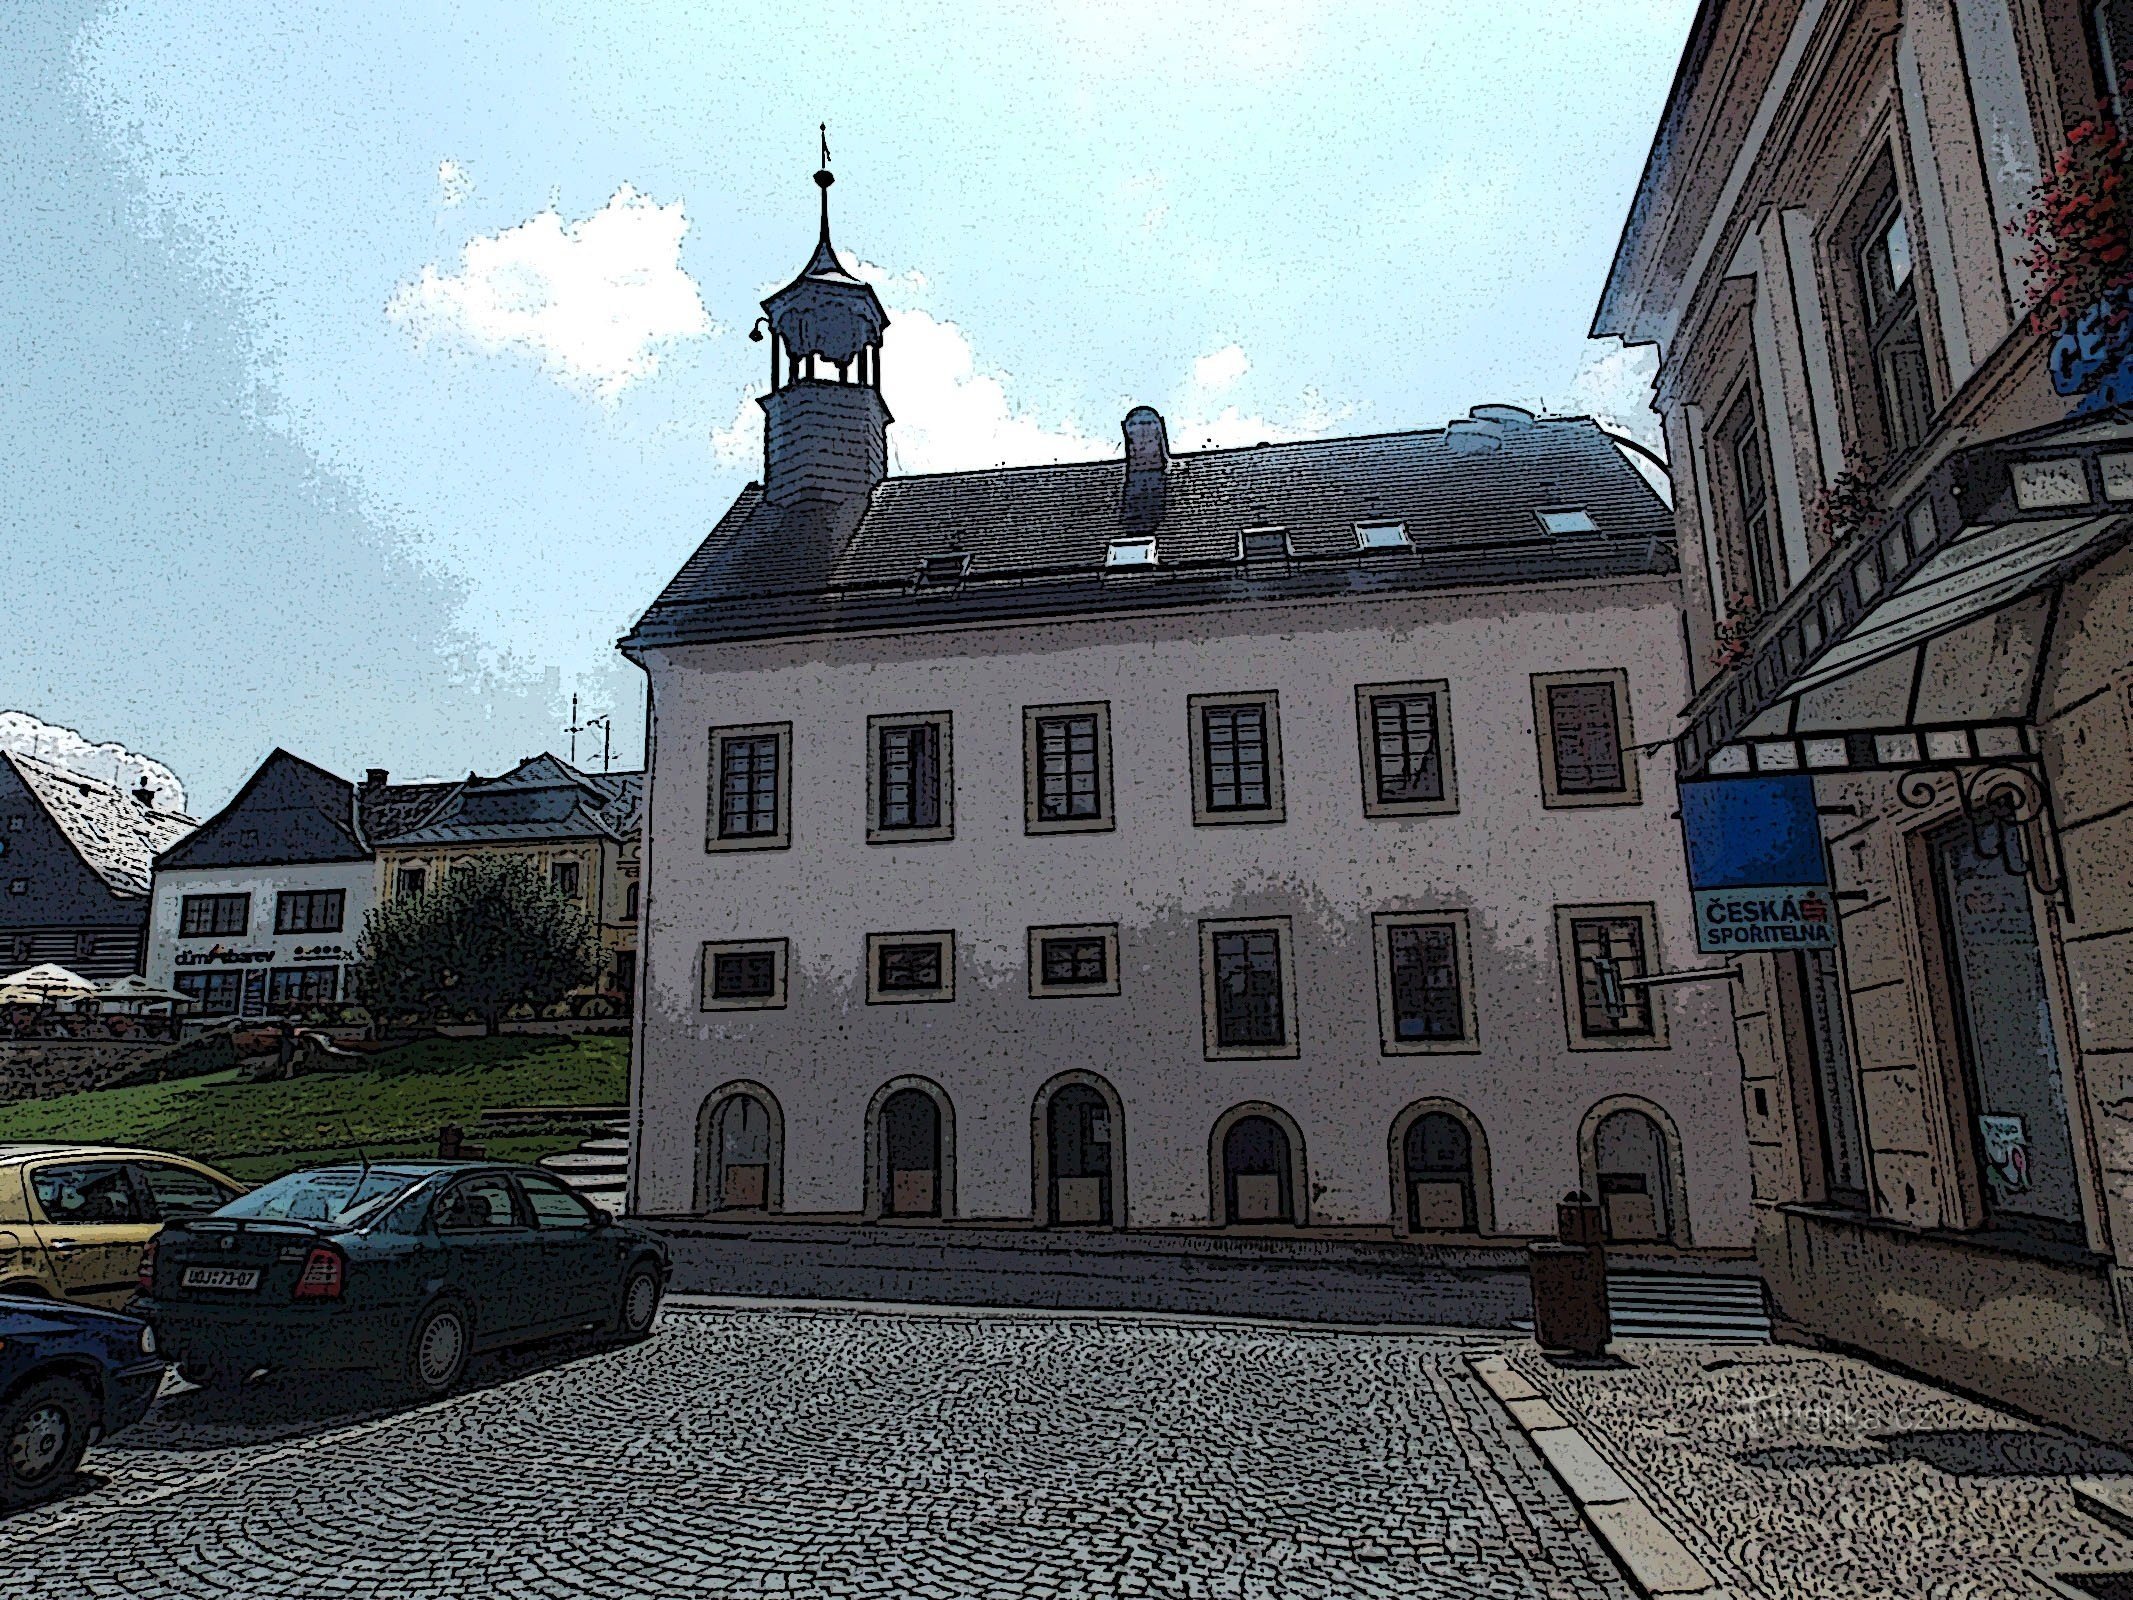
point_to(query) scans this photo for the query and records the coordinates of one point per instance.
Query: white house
(1262, 838)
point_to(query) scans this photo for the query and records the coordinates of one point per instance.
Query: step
(591, 1147)
(586, 1161)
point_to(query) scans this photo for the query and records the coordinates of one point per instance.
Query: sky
(369, 369)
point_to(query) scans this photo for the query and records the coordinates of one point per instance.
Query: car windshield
(340, 1195)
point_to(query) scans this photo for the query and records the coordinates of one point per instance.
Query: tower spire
(823, 179)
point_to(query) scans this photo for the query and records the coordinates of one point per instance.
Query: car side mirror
(601, 1219)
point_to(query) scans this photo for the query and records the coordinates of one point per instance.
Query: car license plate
(221, 1277)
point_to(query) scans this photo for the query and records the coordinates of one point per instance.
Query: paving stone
(800, 1453)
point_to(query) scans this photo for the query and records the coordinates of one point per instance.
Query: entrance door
(1438, 1156)
(1081, 1157)
(2008, 1044)
(742, 1135)
(911, 1155)
(1256, 1181)
(1635, 1199)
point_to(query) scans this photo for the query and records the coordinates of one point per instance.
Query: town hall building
(1267, 839)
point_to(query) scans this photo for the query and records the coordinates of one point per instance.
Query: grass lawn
(255, 1131)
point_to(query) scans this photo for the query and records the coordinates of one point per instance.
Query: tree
(489, 936)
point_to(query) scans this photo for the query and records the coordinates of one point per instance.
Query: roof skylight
(1570, 520)
(1129, 553)
(1382, 536)
(1263, 544)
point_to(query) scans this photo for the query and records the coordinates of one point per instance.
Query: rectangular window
(1066, 766)
(310, 910)
(1248, 988)
(1129, 553)
(1424, 983)
(410, 881)
(1600, 947)
(289, 987)
(744, 975)
(563, 878)
(1263, 544)
(902, 967)
(1382, 536)
(629, 902)
(1236, 758)
(1075, 960)
(751, 788)
(1572, 520)
(1753, 508)
(1405, 738)
(214, 994)
(1582, 719)
(1896, 341)
(206, 916)
(908, 760)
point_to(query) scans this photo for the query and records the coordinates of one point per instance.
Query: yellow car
(73, 1217)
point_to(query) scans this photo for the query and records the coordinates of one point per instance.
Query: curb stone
(1657, 1563)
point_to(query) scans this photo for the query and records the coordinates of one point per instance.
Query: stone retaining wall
(34, 1069)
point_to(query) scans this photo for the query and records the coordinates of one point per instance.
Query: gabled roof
(540, 798)
(114, 834)
(294, 811)
(1470, 497)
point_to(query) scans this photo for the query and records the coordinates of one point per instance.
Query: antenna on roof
(576, 727)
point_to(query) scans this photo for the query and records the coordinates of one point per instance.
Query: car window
(476, 1205)
(554, 1206)
(86, 1191)
(175, 1191)
(342, 1195)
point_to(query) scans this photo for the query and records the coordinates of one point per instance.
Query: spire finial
(823, 179)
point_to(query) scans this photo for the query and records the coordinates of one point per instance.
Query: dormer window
(1382, 536)
(1571, 520)
(944, 571)
(1129, 553)
(1264, 544)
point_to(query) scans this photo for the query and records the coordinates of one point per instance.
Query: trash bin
(1569, 1277)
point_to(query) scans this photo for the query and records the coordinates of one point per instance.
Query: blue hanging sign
(1757, 870)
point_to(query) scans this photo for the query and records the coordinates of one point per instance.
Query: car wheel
(43, 1432)
(638, 1303)
(437, 1350)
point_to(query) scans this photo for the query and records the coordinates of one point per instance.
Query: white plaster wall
(1501, 855)
(356, 879)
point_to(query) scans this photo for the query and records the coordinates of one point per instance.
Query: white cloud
(454, 182)
(110, 763)
(1613, 385)
(593, 301)
(1220, 368)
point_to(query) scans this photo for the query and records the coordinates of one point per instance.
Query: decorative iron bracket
(2009, 811)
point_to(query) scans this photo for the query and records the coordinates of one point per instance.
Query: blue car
(68, 1374)
(403, 1270)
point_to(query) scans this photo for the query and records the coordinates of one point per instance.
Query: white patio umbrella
(134, 993)
(42, 983)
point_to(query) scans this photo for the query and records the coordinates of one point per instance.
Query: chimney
(144, 795)
(1140, 507)
(374, 778)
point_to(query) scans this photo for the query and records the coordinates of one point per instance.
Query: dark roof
(115, 836)
(293, 810)
(1036, 536)
(540, 798)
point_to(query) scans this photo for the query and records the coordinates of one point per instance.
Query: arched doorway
(1437, 1166)
(1258, 1172)
(1630, 1165)
(1080, 1136)
(740, 1144)
(910, 1170)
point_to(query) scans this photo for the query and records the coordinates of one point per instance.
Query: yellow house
(579, 830)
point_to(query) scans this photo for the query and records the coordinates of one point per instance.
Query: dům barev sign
(1757, 870)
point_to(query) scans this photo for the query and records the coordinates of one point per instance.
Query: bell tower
(825, 429)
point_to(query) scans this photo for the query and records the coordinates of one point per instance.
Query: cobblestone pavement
(788, 1451)
(1804, 1475)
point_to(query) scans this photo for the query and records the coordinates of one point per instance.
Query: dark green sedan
(404, 1270)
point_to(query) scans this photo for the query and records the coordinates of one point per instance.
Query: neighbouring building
(578, 830)
(1265, 837)
(1911, 603)
(258, 912)
(76, 856)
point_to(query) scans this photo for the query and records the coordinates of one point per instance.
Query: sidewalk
(1793, 1474)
